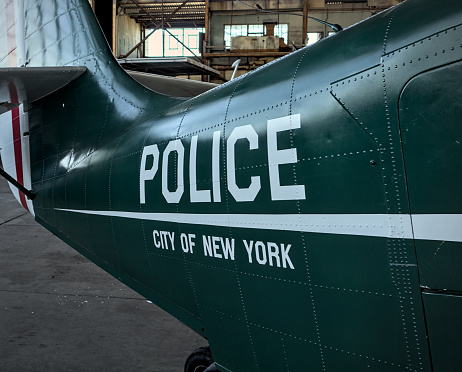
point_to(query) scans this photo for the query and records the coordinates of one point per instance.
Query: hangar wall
(126, 24)
(295, 23)
(128, 35)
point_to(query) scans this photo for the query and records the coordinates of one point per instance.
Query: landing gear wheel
(199, 360)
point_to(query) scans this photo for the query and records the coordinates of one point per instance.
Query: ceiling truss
(151, 13)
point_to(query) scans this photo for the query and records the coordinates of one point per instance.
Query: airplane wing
(20, 84)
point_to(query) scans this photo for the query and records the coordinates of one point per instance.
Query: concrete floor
(60, 312)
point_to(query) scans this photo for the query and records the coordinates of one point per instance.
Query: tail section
(12, 52)
(66, 145)
(14, 152)
(13, 146)
(49, 33)
(48, 39)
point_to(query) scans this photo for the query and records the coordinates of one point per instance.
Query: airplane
(303, 216)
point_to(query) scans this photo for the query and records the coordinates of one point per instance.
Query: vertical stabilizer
(54, 34)
(51, 33)
(12, 52)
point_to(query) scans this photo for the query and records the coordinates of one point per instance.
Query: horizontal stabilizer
(171, 86)
(28, 84)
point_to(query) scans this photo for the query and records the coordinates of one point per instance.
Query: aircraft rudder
(49, 33)
(12, 52)
(62, 33)
(14, 152)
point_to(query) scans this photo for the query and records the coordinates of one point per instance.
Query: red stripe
(15, 114)
(16, 122)
(18, 152)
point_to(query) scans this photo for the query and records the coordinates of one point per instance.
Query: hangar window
(281, 30)
(345, 2)
(163, 44)
(313, 37)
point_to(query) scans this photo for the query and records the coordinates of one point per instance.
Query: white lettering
(171, 235)
(260, 248)
(269, 253)
(197, 196)
(148, 174)
(187, 243)
(285, 257)
(184, 242)
(249, 247)
(163, 239)
(228, 248)
(216, 167)
(278, 157)
(155, 235)
(160, 239)
(173, 170)
(215, 240)
(191, 242)
(214, 245)
(207, 245)
(273, 252)
(173, 196)
(241, 194)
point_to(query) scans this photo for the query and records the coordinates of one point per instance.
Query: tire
(199, 360)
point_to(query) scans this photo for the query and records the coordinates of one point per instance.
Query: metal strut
(30, 195)
(154, 29)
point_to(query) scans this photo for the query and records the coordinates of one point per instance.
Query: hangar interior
(202, 40)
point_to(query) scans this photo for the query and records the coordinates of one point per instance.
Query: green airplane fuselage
(301, 217)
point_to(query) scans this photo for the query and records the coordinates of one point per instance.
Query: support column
(114, 27)
(305, 22)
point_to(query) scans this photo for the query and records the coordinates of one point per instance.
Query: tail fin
(49, 33)
(47, 36)
(11, 33)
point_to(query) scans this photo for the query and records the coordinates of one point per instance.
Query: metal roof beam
(156, 28)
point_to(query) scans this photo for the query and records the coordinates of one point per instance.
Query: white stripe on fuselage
(444, 227)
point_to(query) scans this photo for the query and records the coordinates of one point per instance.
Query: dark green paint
(444, 329)
(432, 164)
(351, 303)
